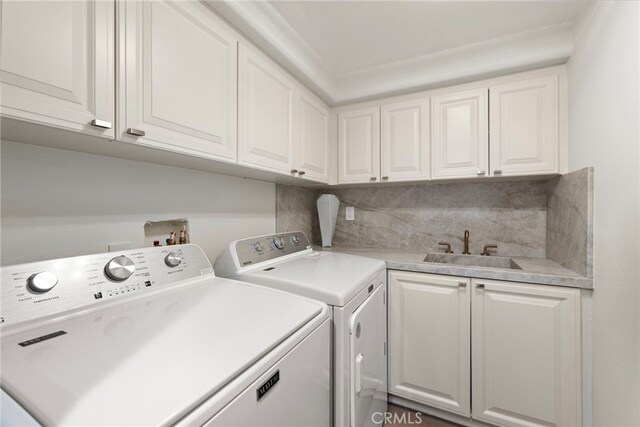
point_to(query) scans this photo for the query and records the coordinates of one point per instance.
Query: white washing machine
(152, 337)
(354, 287)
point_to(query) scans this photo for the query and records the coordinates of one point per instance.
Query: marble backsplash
(415, 217)
(543, 218)
(570, 221)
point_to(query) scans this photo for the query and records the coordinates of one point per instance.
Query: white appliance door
(368, 360)
(295, 392)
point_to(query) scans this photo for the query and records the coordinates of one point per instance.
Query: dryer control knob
(173, 259)
(42, 282)
(119, 268)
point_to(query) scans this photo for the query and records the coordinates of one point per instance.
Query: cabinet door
(178, 79)
(57, 64)
(404, 154)
(459, 139)
(359, 146)
(312, 147)
(526, 354)
(524, 127)
(266, 122)
(429, 339)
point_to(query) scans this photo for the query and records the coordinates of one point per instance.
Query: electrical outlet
(114, 247)
(351, 213)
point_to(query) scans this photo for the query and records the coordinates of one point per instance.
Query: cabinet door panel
(459, 137)
(526, 354)
(405, 141)
(266, 119)
(179, 79)
(429, 339)
(313, 144)
(56, 63)
(359, 146)
(524, 127)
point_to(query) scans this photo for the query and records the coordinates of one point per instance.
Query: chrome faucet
(466, 243)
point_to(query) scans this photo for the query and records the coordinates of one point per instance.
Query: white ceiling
(353, 36)
(349, 50)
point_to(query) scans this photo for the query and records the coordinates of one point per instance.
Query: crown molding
(266, 28)
(519, 52)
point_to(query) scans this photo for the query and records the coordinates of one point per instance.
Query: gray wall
(57, 203)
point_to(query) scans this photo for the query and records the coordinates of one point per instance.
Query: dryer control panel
(258, 249)
(45, 288)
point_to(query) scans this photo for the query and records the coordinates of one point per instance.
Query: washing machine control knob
(42, 282)
(278, 242)
(173, 259)
(119, 268)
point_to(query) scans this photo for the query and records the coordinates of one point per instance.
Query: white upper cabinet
(359, 146)
(177, 79)
(429, 335)
(524, 127)
(312, 146)
(526, 354)
(404, 154)
(266, 123)
(459, 134)
(57, 64)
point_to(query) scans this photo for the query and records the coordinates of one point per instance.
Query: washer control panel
(264, 248)
(29, 291)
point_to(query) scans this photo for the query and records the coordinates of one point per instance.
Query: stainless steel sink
(473, 260)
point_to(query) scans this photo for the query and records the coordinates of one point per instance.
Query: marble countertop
(534, 270)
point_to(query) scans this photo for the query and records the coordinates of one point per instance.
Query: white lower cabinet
(525, 352)
(429, 339)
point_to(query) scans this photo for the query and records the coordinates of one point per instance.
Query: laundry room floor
(410, 418)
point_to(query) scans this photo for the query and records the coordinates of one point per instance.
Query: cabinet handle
(294, 171)
(463, 284)
(373, 178)
(136, 132)
(101, 124)
(480, 173)
(497, 172)
(480, 286)
(385, 178)
(301, 173)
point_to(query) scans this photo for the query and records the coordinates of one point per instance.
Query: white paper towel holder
(328, 205)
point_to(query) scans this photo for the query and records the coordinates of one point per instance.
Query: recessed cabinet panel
(312, 152)
(180, 79)
(266, 121)
(526, 354)
(57, 63)
(429, 336)
(524, 127)
(459, 137)
(359, 146)
(404, 142)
